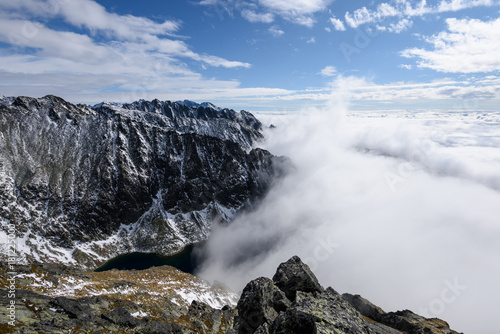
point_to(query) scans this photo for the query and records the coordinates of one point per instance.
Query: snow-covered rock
(194, 105)
(81, 185)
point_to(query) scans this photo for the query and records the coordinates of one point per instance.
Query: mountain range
(84, 184)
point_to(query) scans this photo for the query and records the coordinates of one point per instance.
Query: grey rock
(260, 303)
(412, 323)
(323, 313)
(204, 319)
(364, 306)
(74, 308)
(121, 317)
(263, 329)
(293, 275)
(159, 327)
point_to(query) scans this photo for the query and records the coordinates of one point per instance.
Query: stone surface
(260, 303)
(293, 276)
(121, 317)
(412, 323)
(159, 327)
(364, 306)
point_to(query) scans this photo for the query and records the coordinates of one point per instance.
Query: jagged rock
(324, 313)
(364, 306)
(293, 276)
(204, 319)
(412, 323)
(406, 320)
(121, 317)
(264, 306)
(316, 310)
(260, 303)
(263, 329)
(85, 184)
(74, 308)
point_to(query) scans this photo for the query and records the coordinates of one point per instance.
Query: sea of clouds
(400, 207)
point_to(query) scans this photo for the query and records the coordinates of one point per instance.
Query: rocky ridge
(295, 302)
(80, 185)
(150, 301)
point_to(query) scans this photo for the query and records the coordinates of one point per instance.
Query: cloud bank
(403, 211)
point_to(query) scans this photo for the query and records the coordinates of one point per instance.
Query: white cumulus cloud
(467, 46)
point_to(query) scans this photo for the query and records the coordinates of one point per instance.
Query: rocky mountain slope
(165, 300)
(80, 185)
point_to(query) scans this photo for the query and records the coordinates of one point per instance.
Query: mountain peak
(195, 105)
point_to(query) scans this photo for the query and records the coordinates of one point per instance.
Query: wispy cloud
(405, 9)
(398, 27)
(468, 46)
(297, 11)
(92, 16)
(337, 24)
(446, 93)
(328, 71)
(276, 31)
(252, 16)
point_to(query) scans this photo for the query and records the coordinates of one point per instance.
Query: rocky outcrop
(82, 185)
(295, 302)
(143, 302)
(364, 306)
(259, 304)
(293, 276)
(405, 321)
(52, 298)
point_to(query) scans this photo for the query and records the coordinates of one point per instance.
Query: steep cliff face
(82, 185)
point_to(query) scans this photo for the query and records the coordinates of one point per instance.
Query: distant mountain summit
(191, 104)
(83, 184)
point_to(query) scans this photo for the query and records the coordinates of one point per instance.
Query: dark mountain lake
(185, 261)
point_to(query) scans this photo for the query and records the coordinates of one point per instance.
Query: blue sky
(262, 55)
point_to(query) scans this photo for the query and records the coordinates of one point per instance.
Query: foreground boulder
(260, 303)
(293, 275)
